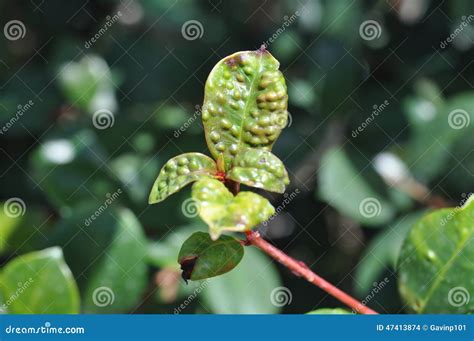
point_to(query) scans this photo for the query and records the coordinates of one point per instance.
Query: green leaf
(259, 168)
(39, 283)
(224, 212)
(342, 187)
(436, 262)
(180, 171)
(382, 253)
(245, 290)
(245, 104)
(329, 311)
(112, 273)
(201, 257)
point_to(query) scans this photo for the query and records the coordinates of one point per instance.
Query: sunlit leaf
(180, 171)
(224, 212)
(329, 311)
(39, 283)
(261, 169)
(436, 262)
(201, 257)
(245, 104)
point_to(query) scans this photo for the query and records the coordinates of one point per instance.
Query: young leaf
(259, 168)
(180, 171)
(224, 212)
(245, 104)
(39, 283)
(436, 262)
(200, 257)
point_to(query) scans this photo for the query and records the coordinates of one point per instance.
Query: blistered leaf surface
(261, 169)
(224, 212)
(180, 171)
(245, 104)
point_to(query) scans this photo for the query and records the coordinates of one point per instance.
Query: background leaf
(39, 283)
(435, 259)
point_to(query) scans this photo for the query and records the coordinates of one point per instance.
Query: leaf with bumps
(180, 171)
(245, 104)
(259, 168)
(224, 212)
(201, 257)
(436, 262)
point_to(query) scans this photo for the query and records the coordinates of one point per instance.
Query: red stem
(304, 271)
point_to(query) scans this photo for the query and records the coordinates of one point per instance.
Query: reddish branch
(298, 267)
(302, 269)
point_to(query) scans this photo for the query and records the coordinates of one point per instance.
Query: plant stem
(304, 271)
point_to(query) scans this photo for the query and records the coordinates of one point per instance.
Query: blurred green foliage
(86, 126)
